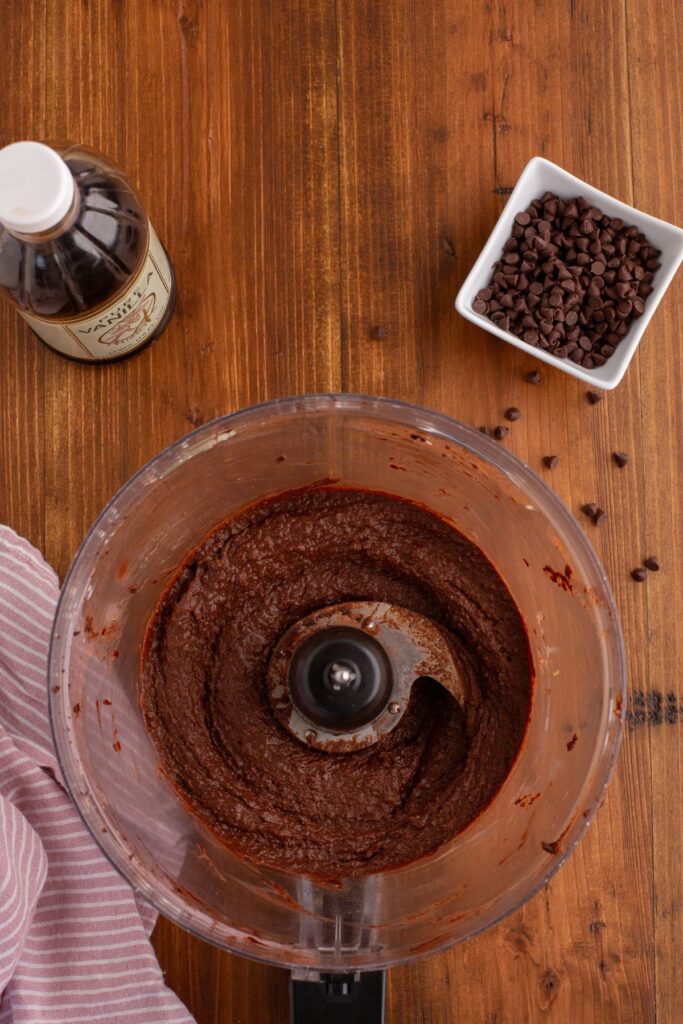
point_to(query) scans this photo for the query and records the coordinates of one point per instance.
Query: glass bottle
(78, 256)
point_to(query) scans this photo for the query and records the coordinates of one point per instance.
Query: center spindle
(340, 678)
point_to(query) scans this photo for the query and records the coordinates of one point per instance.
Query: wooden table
(318, 168)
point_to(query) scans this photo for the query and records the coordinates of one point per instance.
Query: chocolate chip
(487, 431)
(378, 332)
(639, 575)
(500, 432)
(512, 414)
(448, 246)
(652, 563)
(600, 517)
(479, 306)
(533, 377)
(567, 263)
(621, 459)
(551, 461)
(594, 397)
(589, 509)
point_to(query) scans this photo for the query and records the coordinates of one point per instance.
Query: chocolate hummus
(206, 705)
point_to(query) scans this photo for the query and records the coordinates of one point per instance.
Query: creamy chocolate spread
(205, 698)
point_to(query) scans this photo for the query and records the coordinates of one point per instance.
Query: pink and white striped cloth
(74, 940)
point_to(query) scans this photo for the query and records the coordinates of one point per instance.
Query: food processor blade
(341, 677)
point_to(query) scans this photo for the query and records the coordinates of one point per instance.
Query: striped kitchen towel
(74, 943)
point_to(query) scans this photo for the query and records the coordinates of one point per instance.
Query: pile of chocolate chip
(571, 280)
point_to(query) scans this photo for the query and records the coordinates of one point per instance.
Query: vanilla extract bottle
(79, 257)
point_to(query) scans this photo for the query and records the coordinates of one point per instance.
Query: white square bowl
(541, 176)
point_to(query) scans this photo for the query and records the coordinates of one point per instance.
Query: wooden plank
(441, 106)
(22, 358)
(218, 987)
(656, 111)
(229, 131)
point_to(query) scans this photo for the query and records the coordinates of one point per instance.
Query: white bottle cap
(36, 187)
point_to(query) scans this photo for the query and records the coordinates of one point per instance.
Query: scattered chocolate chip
(533, 377)
(500, 432)
(652, 563)
(378, 332)
(594, 397)
(513, 413)
(600, 517)
(621, 459)
(551, 461)
(639, 575)
(589, 510)
(448, 246)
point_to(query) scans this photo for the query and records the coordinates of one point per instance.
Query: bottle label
(122, 326)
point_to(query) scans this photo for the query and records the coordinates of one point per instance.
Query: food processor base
(339, 998)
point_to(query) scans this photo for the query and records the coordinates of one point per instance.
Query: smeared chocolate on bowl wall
(205, 699)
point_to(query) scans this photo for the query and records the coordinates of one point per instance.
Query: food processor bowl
(111, 767)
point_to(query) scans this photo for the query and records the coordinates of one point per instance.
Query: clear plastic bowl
(111, 767)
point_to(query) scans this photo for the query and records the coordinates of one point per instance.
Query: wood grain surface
(319, 168)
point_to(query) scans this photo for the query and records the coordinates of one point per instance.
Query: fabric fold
(74, 939)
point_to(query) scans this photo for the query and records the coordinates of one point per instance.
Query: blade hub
(341, 677)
